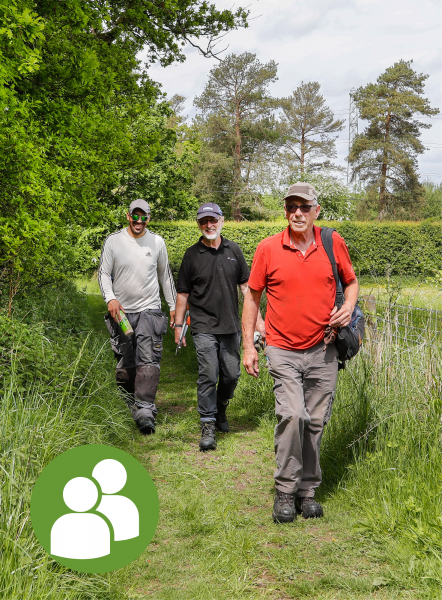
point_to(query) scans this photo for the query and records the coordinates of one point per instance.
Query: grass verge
(380, 537)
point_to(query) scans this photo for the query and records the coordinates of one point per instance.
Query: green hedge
(404, 247)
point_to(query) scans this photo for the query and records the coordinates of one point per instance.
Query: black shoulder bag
(348, 339)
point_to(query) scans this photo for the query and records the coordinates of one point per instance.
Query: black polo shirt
(211, 277)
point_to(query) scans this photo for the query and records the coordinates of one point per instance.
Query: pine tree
(236, 116)
(306, 126)
(384, 156)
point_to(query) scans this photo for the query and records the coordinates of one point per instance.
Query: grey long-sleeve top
(131, 269)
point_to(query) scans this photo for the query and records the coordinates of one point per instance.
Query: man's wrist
(249, 347)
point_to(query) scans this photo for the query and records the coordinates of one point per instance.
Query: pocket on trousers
(328, 412)
(159, 323)
(157, 350)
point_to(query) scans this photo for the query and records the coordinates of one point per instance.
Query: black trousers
(218, 369)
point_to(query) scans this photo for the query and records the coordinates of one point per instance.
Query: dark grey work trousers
(218, 370)
(305, 383)
(138, 357)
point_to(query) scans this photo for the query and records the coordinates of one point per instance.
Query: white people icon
(85, 535)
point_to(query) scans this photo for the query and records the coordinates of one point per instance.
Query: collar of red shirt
(286, 237)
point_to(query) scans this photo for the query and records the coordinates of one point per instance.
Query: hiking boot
(309, 508)
(208, 440)
(144, 422)
(221, 423)
(284, 508)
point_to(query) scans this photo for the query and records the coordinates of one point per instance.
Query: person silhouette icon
(80, 534)
(120, 510)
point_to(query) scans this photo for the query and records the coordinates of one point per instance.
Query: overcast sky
(339, 43)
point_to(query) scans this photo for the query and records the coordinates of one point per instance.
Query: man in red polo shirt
(293, 268)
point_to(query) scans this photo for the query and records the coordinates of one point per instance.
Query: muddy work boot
(143, 420)
(309, 508)
(208, 440)
(221, 423)
(284, 508)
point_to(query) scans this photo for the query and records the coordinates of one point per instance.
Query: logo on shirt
(230, 258)
(148, 254)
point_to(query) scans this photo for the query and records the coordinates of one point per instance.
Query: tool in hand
(260, 344)
(183, 331)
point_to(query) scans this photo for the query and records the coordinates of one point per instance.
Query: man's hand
(251, 362)
(260, 326)
(172, 318)
(341, 317)
(177, 336)
(114, 307)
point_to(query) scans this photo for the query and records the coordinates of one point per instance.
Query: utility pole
(352, 127)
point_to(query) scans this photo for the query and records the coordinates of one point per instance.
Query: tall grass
(381, 452)
(57, 393)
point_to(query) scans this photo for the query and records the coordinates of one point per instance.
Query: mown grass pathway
(216, 538)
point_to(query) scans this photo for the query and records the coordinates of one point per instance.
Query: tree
(79, 117)
(236, 117)
(384, 155)
(307, 125)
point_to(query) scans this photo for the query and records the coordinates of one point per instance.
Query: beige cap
(302, 190)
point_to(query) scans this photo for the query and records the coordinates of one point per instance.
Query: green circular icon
(94, 509)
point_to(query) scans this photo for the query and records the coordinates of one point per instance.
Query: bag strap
(327, 241)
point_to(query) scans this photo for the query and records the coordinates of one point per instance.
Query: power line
(352, 128)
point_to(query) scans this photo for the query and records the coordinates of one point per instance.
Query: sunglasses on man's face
(205, 220)
(304, 208)
(142, 218)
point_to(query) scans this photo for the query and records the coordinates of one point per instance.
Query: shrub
(400, 248)
(397, 247)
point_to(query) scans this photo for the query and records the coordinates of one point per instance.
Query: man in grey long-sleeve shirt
(133, 262)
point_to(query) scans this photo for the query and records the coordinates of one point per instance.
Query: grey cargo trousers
(138, 366)
(305, 383)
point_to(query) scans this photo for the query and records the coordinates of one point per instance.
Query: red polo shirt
(300, 289)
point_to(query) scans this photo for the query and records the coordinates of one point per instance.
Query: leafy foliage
(80, 126)
(399, 248)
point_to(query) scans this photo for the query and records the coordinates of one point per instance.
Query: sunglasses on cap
(142, 218)
(304, 208)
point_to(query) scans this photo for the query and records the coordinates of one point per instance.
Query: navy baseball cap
(209, 209)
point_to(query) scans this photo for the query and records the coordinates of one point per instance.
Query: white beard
(210, 236)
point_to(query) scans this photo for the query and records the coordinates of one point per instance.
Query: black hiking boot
(208, 440)
(221, 423)
(309, 508)
(144, 422)
(284, 508)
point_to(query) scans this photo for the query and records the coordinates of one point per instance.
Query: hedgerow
(397, 247)
(400, 248)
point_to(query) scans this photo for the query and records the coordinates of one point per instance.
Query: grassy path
(215, 538)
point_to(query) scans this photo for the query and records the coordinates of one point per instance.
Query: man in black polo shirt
(207, 280)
